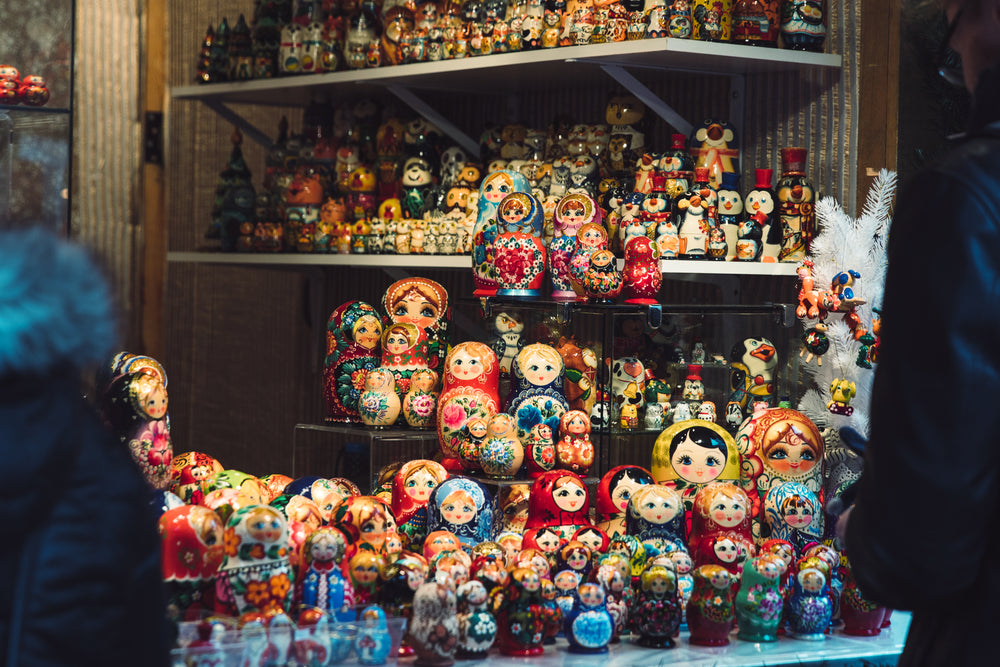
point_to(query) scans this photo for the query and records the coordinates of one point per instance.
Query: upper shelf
(503, 72)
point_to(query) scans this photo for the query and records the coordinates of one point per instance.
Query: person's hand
(842, 524)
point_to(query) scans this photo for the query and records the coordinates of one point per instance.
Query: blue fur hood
(55, 305)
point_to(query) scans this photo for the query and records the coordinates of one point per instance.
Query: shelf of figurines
(416, 261)
(501, 72)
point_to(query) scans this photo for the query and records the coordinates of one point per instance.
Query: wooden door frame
(878, 92)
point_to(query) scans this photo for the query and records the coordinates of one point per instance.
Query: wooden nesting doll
(602, 281)
(440, 541)
(710, 608)
(321, 582)
(470, 390)
(404, 351)
(255, 573)
(518, 611)
(552, 616)
(655, 516)
(613, 493)
(581, 374)
(751, 378)
(189, 470)
(248, 485)
(477, 629)
(470, 443)
(135, 408)
(379, 404)
(372, 643)
(423, 302)
(353, 335)
(721, 511)
(575, 556)
(411, 491)
(274, 485)
(642, 276)
(519, 251)
(559, 500)
(420, 402)
(514, 507)
(589, 627)
(571, 213)
(566, 583)
(809, 606)
(540, 450)
(363, 519)
(590, 238)
(594, 539)
(759, 601)
(794, 514)
(656, 614)
(502, 453)
(613, 582)
(545, 541)
(364, 568)
(574, 450)
(537, 393)
(464, 507)
(191, 551)
(495, 186)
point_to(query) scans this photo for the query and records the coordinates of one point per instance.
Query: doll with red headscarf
(721, 527)
(191, 541)
(559, 500)
(422, 302)
(411, 490)
(613, 493)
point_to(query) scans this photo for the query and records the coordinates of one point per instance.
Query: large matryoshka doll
(321, 581)
(423, 302)
(404, 351)
(793, 513)
(411, 489)
(572, 212)
(255, 573)
(465, 507)
(615, 489)
(364, 520)
(519, 249)
(190, 470)
(692, 453)
(655, 516)
(721, 512)
(135, 408)
(559, 500)
(537, 394)
(495, 186)
(191, 552)
(780, 445)
(470, 390)
(353, 333)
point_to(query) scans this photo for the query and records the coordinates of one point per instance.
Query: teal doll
(759, 601)
(372, 642)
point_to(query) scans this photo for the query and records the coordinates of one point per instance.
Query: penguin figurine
(710, 608)
(379, 404)
(508, 328)
(751, 378)
(589, 627)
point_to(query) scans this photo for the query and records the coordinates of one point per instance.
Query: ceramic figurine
(537, 392)
(581, 374)
(802, 26)
(714, 147)
(756, 22)
(494, 188)
(519, 249)
(502, 453)
(464, 507)
(655, 516)
(574, 450)
(363, 519)
(422, 302)
(712, 20)
(540, 450)
(558, 500)
(191, 552)
(514, 507)
(759, 600)
(255, 572)
(656, 615)
(477, 629)
(751, 378)
(508, 327)
(796, 199)
(721, 512)
(809, 605)
(628, 376)
(411, 490)
(352, 341)
(710, 609)
(572, 212)
(762, 209)
(470, 390)
(695, 214)
(615, 489)
(320, 581)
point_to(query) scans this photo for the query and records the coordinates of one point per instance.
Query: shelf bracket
(470, 146)
(654, 316)
(649, 98)
(248, 128)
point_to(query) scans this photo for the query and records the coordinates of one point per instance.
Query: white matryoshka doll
(655, 516)
(321, 582)
(793, 513)
(537, 393)
(519, 249)
(615, 489)
(423, 302)
(495, 186)
(572, 212)
(191, 552)
(470, 390)
(255, 573)
(353, 334)
(465, 507)
(433, 629)
(559, 500)
(411, 490)
(692, 453)
(779, 445)
(514, 507)
(721, 510)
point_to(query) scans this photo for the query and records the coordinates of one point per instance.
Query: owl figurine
(759, 601)
(656, 614)
(710, 608)
(379, 404)
(372, 643)
(809, 605)
(433, 629)
(477, 629)
(508, 330)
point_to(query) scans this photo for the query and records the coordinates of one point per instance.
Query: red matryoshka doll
(404, 351)
(793, 513)
(255, 573)
(423, 302)
(519, 249)
(721, 512)
(779, 445)
(572, 212)
(581, 374)
(494, 188)
(546, 541)
(642, 277)
(574, 450)
(559, 500)
(615, 489)
(353, 334)
(692, 453)
(514, 507)
(539, 450)
(784, 550)
(593, 538)
(190, 469)
(135, 407)
(321, 582)
(710, 607)
(470, 390)
(537, 394)
(518, 610)
(191, 552)
(590, 238)
(655, 516)
(411, 489)
(363, 519)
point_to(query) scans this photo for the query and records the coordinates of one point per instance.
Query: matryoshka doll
(411, 490)
(642, 276)
(710, 608)
(255, 573)
(190, 469)
(364, 568)
(135, 408)
(613, 493)
(372, 643)
(191, 551)
(589, 627)
(502, 453)
(495, 186)
(514, 507)
(759, 601)
(794, 514)
(590, 238)
(571, 213)
(420, 402)
(593, 538)
(464, 507)
(404, 351)
(602, 282)
(574, 450)
(540, 450)
(352, 350)
(656, 615)
(248, 485)
(433, 630)
(423, 302)
(730, 211)
(575, 556)
(559, 500)
(470, 390)
(440, 541)
(519, 248)
(379, 404)
(861, 616)
(518, 610)
(809, 606)
(363, 519)
(477, 629)
(537, 394)
(721, 510)
(613, 581)
(655, 516)
(545, 540)
(802, 26)
(321, 583)
(274, 485)
(400, 578)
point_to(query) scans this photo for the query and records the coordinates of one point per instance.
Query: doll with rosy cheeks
(537, 392)
(721, 510)
(655, 516)
(512, 543)
(793, 514)
(519, 614)
(567, 597)
(575, 451)
(590, 238)
(321, 583)
(559, 500)
(571, 213)
(404, 351)
(545, 540)
(255, 571)
(191, 551)
(422, 302)
(613, 493)
(534, 559)
(363, 519)
(575, 556)
(440, 541)
(411, 489)
(514, 507)
(364, 569)
(593, 538)
(470, 390)
(464, 507)
(352, 349)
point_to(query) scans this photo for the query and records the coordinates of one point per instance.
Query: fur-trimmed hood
(55, 305)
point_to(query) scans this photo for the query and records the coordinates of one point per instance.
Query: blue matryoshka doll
(537, 393)
(519, 251)
(794, 514)
(655, 516)
(464, 507)
(321, 582)
(372, 643)
(494, 188)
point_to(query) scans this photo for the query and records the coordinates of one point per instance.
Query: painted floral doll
(593, 538)
(590, 238)
(710, 607)
(613, 493)
(464, 507)
(255, 573)
(655, 516)
(793, 513)
(411, 490)
(540, 450)
(477, 627)
(433, 629)
(575, 451)
(321, 582)
(494, 188)
(519, 249)
(518, 610)
(470, 390)
(656, 615)
(575, 556)
(420, 402)
(135, 408)
(353, 335)
(759, 601)
(613, 582)
(404, 351)
(400, 578)
(537, 393)
(363, 519)
(571, 213)
(191, 552)
(423, 302)
(559, 500)
(721, 509)
(190, 469)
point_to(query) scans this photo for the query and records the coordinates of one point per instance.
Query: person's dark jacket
(79, 552)
(924, 534)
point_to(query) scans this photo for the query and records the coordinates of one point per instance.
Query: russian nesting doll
(464, 507)
(575, 556)
(514, 507)
(571, 213)
(191, 551)
(537, 393)
(519, 251)
(379, 404)
(710, 608)
(612, 581)
(477, 629)
(255, 573)
(793, 513)
(433, 629)
(602, 281)
(422, 302)
(372, 643)
(589, 627)
(363, 519)
(642, 276)
(721, 509)
(540, 450)
(411, 490)
(470, 390)
(656, 614)
(655, 516)
(545, 541)
(593, 538)
(353, 335)
(321, 583)
(809, 605)
(495, 186)
(471, 439)
(759, 600)
(404, 351)
(189, 470)
(590, 238)
(862, 617)
(559, 500)
(135, 408)
(615, 489)
(574, 450)
(567, 597)
(420, 402)
(518, 611)
(502, 453)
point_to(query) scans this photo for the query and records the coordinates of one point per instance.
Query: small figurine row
(319, 40)
(30, 90)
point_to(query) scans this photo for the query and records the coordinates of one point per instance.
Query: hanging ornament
(813, 302)
(842, 286)
(868, 352)
(815, 343)
(841, 393)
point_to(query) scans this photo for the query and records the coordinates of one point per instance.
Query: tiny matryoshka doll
(363, 519)
(602, 281)
(721, 509)
(404, 351)
(574, 450)
(321, 583)
(464, 507)
(613, 581)
(572, 212)
(559, 500)
(352, 349)
(655, 516)
(255, 573)
(433, 629)
(135, 408)
(613, 493)
(518, 610)
(793, 513)
(514, 507)
(477, 629)
(593, 538)
(423, 302)
(191, 552)
(545, 540)
(494, 188)
(589, 627)
(470, 390)
(710, 607)
(519, 248)
(411, 489)
(502, 453)
(540, 450)
(364, 568)
(656, 615)
(809, 607)
(508, 327)
(190, 469)
(537, 394)
(575, 556)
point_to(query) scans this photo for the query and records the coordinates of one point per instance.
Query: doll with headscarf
(721, 511)
(255, 573)
(464, 507)
(191, 552)
(353, 335)
(571, 213)
(321, 582)
(517, 608)
(537, 393)
(494, 188)
(593, 538)
(404, 351)
(470, 390)
(135, 409)
(655, 516)
(613, 493)
(559, 500)
(423, 302)
(656, 615)
(519, 249)
(794, 513)
(363, 519)
(411, 490)
(190, 469)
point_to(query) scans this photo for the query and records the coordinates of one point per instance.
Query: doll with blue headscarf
(794, 514)
(464, 507)
(537, 394)
(655, 516)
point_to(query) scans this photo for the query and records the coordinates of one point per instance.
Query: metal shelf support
(649, 98)
(248, 128)
(469, 145)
